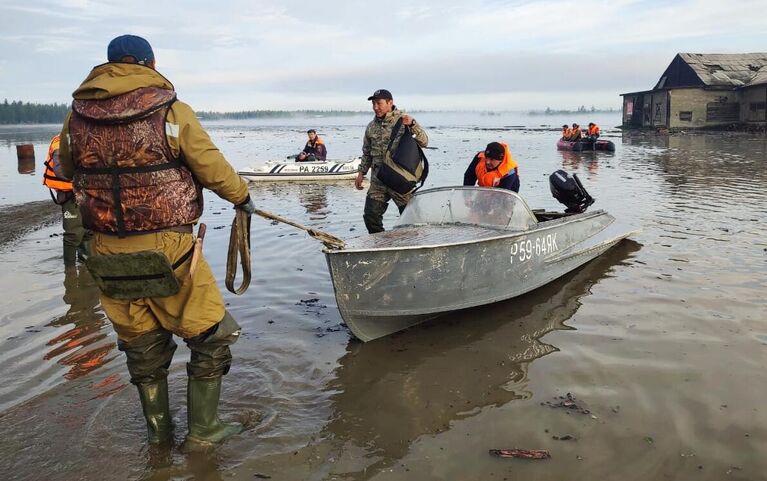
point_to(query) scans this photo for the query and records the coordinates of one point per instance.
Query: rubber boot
(205, 428)
(154, 403)
(70, 255)
(84, 250)
(373, 215)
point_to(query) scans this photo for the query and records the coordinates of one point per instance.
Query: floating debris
(521, 453)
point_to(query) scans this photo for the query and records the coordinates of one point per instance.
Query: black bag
(404, 168)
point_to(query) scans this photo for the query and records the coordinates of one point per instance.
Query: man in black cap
(495, 167)
(314, 149)
(374, 148)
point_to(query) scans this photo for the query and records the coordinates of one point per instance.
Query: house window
(722, 111)
(685, 116)
(755, 106)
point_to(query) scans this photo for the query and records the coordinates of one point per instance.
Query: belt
(184, 229)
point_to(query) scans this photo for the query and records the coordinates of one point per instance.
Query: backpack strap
(394, 132)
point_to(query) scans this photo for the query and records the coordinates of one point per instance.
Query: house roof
(728, 70)
(760, 77)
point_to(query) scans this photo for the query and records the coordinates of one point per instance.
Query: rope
(239, 244)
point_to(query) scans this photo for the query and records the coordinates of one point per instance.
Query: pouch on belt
(136, 274)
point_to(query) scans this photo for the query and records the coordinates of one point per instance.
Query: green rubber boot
(154, 403)
(70, 256)
(205, 428)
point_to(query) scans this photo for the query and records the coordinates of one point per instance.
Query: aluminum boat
(459, 247)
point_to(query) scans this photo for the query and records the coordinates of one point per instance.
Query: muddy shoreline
(18, 220)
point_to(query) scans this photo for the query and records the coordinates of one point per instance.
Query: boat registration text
(524, 250)
(313, 168)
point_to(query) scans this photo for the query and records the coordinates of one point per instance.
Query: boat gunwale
(540, 226)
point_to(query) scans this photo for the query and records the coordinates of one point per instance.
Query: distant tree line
(18, 112)
(580, 110)
(269, 114)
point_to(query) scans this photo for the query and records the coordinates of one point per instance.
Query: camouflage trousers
(376, 203)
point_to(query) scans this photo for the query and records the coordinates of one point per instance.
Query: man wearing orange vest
(139, 159)
(566, 132)
(575, 132)
(76, 237)
(314, 149)
(593, 132)
(495, 167)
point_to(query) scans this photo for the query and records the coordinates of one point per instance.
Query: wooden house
(702, 90)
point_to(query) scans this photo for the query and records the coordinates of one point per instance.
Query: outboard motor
(568, 190)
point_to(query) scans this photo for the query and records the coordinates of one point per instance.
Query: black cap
(381, 94)
(565, 126)
(311, 131)
(130, 46)
(495, 151)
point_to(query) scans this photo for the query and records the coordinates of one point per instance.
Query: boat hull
(302, 171)
(382, 291)
(585, 146)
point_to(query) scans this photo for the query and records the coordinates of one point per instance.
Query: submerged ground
(661, 343)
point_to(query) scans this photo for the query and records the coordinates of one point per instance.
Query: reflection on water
(314, 199)
(393, 391)
(583, 162)
(26, 166)
(84, 341)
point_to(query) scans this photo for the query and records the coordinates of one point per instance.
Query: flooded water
(661, 342)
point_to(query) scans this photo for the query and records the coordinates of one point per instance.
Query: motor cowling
(568, 190)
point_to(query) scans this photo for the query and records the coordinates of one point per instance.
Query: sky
(332, 54)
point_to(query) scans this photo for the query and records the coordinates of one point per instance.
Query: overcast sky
(432, 54)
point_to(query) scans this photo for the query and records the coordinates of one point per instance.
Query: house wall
(753, 101)
(695, 107)
(645, 109)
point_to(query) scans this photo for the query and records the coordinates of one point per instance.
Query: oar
(331, 242)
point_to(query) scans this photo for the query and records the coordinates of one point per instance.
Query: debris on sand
(567, 401)
(521, 453)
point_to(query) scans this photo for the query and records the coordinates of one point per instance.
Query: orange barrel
(25, 151)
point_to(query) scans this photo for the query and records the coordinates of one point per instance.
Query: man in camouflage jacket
(374, 145)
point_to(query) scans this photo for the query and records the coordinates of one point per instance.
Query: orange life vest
(50, 179)
(566, 133)
(593, 130)
(486, 178)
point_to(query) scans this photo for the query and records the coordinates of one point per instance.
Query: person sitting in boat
(575, 132)
(495, 167)
(592, 134)
(566, 132)
(314, 150)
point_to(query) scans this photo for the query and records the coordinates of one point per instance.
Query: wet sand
(18, 220)
(662, 341)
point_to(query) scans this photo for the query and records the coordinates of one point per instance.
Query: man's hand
(358, 180)
(496, 182)
(407, 120)
(248, 206)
